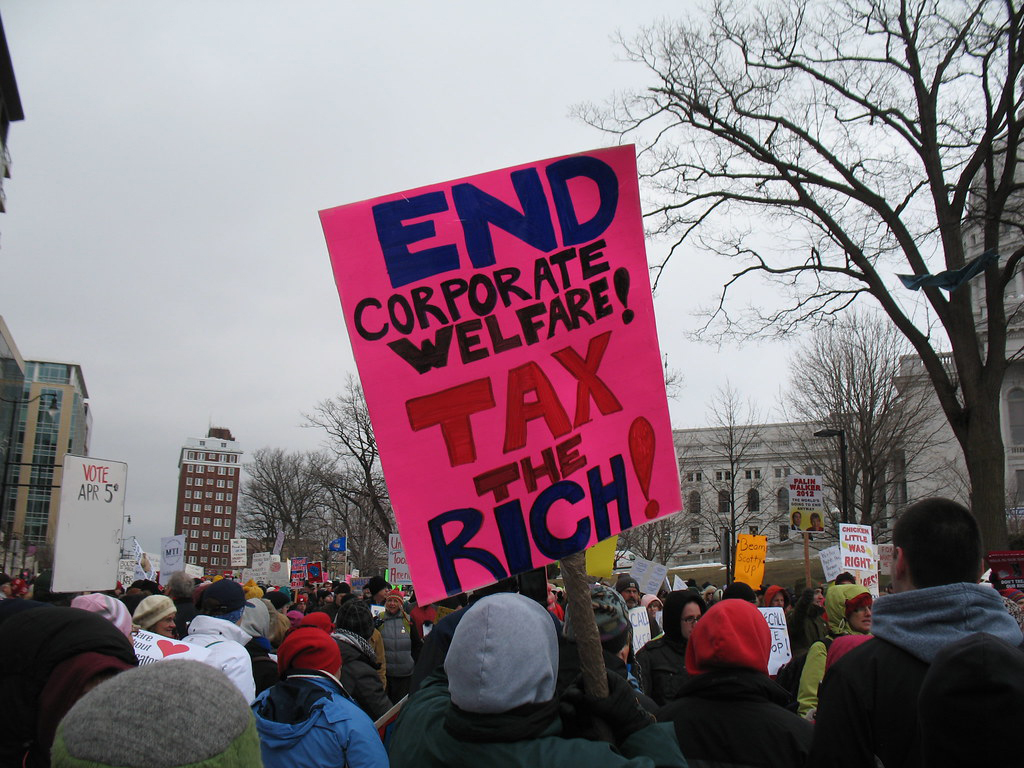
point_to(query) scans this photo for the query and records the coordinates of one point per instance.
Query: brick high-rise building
(209, 475)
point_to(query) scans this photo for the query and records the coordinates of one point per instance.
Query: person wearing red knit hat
(730, 712)
(308, 718)
(318, 619)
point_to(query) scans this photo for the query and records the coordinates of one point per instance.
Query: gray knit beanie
(504, 654)
(112, 725)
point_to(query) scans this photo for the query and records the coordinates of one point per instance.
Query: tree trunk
(986, 466)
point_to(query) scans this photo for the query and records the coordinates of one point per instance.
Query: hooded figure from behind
(971, 702)
(729, 712)
(307, 718)
(663, 661)
(494, 703)
(49, 657)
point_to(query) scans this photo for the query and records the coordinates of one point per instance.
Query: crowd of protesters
(929, 675)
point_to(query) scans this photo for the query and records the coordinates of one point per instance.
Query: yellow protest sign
(601, 557)
(750, 554)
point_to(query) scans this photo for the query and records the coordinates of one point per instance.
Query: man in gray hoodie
(868, 701)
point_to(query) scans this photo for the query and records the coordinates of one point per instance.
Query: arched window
(1015, 409)
(693, 503)
(723, 502)
(753, 500)
(782, 501)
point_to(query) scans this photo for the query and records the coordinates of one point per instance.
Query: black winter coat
(737, 717)
(663, 662)
(360, 679)
(851, 699)
(264, 668)
(32, 644)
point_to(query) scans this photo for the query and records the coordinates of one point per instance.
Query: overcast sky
(162, 224)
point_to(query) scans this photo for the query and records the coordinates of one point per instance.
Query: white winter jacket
(226, 645)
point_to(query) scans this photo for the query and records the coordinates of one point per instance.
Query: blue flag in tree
(951, 279)
(338, 545)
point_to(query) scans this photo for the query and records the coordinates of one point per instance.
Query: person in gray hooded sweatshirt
(494, 703)
(868, 700)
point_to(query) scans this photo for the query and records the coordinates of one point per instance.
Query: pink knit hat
(110, 608)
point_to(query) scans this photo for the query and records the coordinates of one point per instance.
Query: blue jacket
(308, 720)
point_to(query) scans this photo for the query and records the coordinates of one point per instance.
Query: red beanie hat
(733, 633)
(308, 648)
(855, 603)
(318, 619)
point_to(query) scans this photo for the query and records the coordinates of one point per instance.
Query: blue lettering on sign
(516, 536)
(531, 222)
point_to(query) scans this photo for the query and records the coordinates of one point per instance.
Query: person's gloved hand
(620, 710)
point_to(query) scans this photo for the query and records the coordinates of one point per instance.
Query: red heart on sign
(169, 647)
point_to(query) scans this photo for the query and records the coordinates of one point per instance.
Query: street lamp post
(841, 434)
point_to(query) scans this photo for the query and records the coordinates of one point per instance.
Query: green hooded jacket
(814, 666)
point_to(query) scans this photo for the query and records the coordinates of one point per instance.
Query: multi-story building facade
(12, 381)
(740, 472)
(209, 475)
(10, 111)
(52, 418)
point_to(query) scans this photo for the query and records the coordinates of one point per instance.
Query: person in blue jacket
(307, 718)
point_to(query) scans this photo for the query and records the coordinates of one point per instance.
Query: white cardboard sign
(126, 571)
(151, 648)
(87, 544)
(885, 552)
(781, 652)
(648, 575)
(239, 553)
(831, 561)
(641, 627)
(261, 566)
(856, 547)
(278, 573)
(397, 564)
(172, 556)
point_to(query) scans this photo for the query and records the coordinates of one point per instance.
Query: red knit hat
(863, 600)
(733, 633)
(308, 648)
(396, 592)
(318, 619)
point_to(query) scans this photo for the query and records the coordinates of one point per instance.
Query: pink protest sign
(504, 331)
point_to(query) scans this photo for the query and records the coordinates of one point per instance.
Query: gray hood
(504, 654)
(924, 621)
(256, 619)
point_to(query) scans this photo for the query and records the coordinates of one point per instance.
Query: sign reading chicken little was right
(503, 326)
